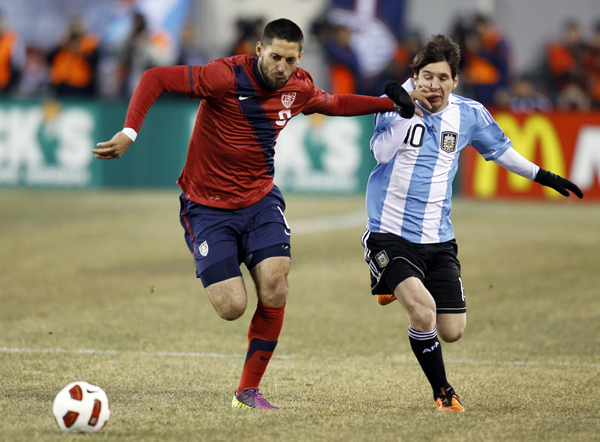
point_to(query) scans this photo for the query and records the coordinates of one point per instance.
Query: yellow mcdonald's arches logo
(537, 130)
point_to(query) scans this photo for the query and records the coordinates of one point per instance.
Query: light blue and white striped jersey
(409, 191)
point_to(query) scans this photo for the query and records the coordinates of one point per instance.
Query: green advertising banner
(158, 154)
(319, 154)
(48, 144)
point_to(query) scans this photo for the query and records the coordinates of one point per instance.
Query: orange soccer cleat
(447, 400)
(385, 299)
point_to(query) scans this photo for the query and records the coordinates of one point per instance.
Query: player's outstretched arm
(558, 183)
(153, 82)
(115, 148)
(513, 161)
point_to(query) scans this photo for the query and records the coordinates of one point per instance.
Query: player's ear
(455, 82)
(300, 56)
(259, 48)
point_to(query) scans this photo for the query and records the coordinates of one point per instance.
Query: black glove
(558, 183)
(398, 95)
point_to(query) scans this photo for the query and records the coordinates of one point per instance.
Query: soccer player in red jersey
(230, 209)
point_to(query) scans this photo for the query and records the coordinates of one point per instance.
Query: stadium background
(46, 136)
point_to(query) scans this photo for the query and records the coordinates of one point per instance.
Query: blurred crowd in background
(84, 64)
(567, 79)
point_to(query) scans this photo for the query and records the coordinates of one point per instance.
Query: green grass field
(101, 287)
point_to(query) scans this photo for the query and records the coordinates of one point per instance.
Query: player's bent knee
(270, 277)
(422, 318)
(231, 311)
(231, 315)
(421, 312)
(450, 336)
(228, 298)
(276, 294)
(451, 326)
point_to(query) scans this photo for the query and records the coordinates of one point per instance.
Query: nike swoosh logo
(262, 358)
(245, 97)
(91, 391)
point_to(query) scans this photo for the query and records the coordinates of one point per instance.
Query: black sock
(426, 347)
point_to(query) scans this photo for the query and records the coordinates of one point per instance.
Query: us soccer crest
(203, 249)
(382, 259)
(449, 141)
(287, 98)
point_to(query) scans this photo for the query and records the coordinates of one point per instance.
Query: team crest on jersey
(449, 141)
(203, 249)
(382, 259)
(287, 98)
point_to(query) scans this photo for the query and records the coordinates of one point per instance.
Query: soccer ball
(81, 407)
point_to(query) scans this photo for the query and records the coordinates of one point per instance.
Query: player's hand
(422, 95)
(404, 104)
(115, 148)
(558, 183)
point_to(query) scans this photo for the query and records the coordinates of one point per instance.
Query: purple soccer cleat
(251, 398)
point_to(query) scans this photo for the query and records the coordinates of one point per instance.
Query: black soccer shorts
(392, 259)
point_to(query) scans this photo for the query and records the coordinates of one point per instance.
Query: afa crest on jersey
(287, 98)
(449, 141)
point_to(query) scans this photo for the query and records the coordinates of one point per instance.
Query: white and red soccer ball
(81, 407)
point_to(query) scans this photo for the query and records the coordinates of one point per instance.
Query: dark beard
(273, 84)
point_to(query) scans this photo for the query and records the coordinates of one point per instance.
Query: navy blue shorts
(221, 239)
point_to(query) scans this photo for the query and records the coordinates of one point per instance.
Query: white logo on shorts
(203, 249)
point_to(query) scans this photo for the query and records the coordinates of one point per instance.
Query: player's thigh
(391, 259)
(228, 297)
(451, 326)
(416, 301)
(270, 277)
(214, 239)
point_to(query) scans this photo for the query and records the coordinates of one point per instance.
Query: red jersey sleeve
(212, 80)
(346, 105)
(209, 82)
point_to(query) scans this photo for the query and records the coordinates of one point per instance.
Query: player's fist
(394, 90)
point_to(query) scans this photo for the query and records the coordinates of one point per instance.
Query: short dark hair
(282, 29)
(438, 48)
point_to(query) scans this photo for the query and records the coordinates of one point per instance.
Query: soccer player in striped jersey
(409, 240)
(231, 211)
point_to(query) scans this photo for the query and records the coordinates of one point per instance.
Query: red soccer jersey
(230, 161)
